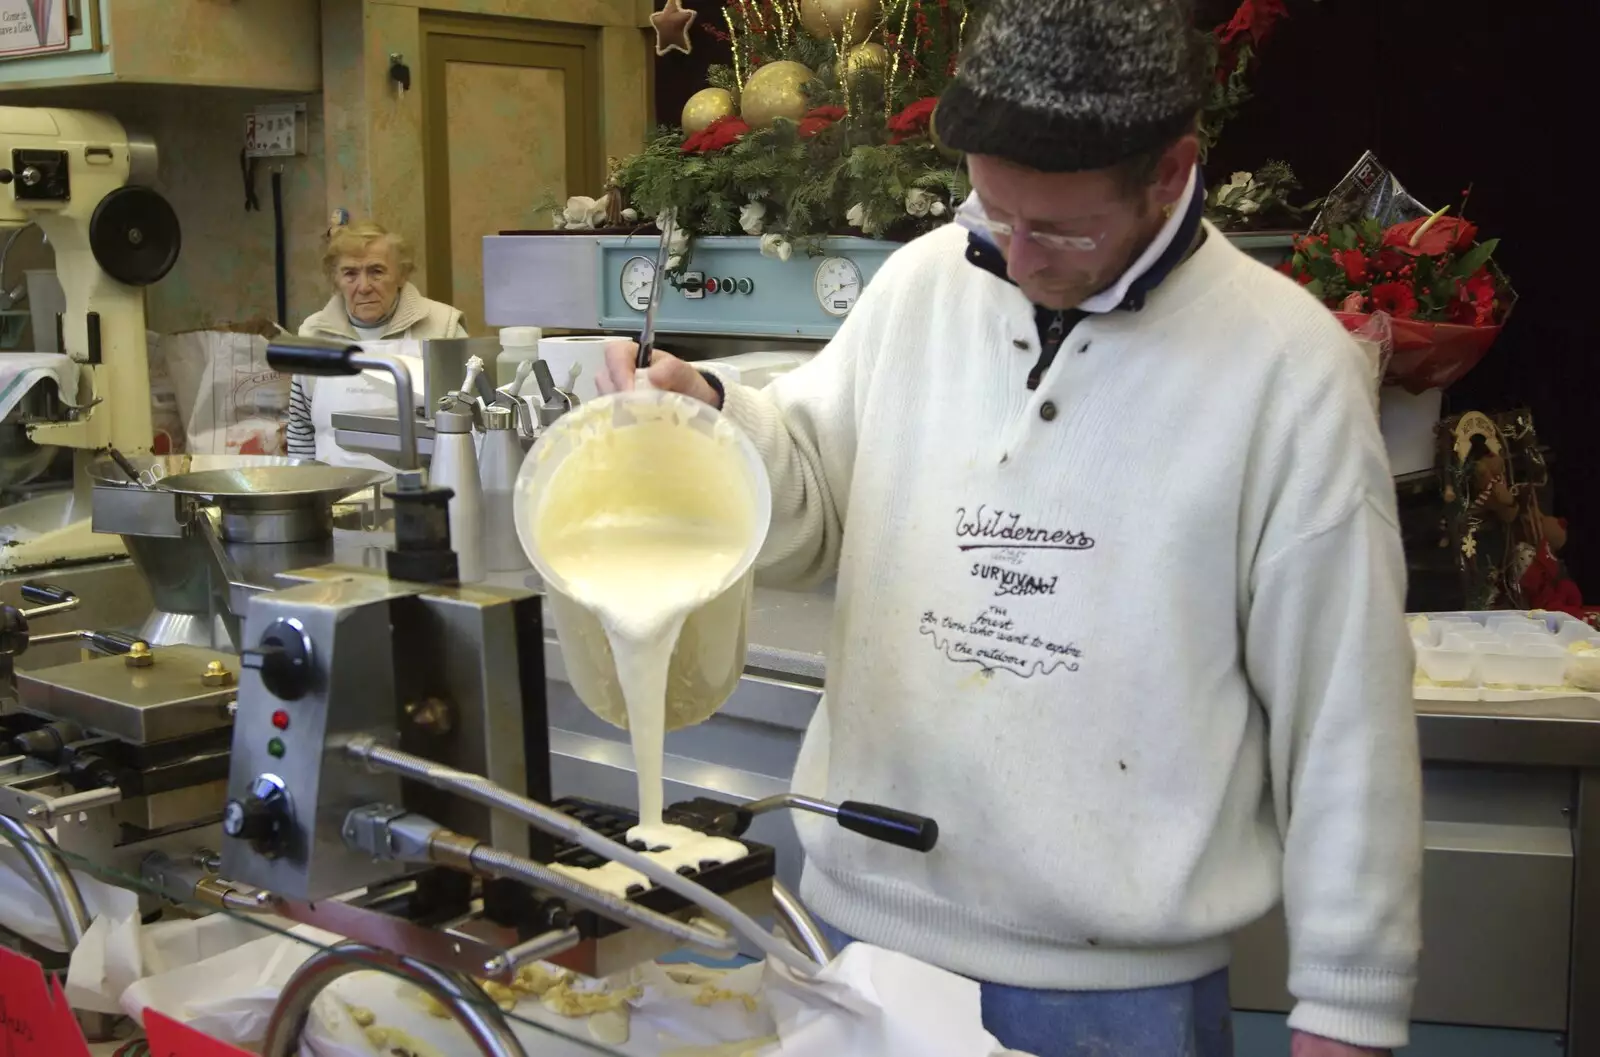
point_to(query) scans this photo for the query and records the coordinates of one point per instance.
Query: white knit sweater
(1135, 639)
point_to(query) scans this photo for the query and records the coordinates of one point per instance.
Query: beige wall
(225, 271)
(375, 144)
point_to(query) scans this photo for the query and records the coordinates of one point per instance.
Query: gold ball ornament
(704, 107)
(864, 59)
(830, 19)
(775, 90)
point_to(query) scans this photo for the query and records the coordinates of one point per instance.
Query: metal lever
(890, 825)
(327, 359)
(48, 599)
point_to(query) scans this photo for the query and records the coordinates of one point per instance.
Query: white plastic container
(1523, 667)
(516, 345)
(1583, 670)
(710, 654)
(1448, 667)
(1407, 423)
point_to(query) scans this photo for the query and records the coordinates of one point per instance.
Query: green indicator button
(275, 747)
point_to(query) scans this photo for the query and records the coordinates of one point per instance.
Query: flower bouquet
(1445, 295)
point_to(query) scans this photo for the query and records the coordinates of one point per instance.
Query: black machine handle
(109, 642)
(309, 356)
(46, 594)
(900, 828)
(887, 824)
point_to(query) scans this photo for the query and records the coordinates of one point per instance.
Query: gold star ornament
(672, 24)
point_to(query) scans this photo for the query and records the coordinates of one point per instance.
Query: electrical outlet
(274, 131)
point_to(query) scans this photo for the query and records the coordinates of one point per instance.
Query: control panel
(317, 668)
(731, 288)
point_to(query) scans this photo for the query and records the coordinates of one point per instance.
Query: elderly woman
(374, 300)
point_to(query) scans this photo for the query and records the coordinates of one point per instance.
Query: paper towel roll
(585, 351)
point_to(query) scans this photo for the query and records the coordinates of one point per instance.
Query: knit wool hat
(1075, 85)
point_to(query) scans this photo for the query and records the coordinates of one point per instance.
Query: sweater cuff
(1360, 1007)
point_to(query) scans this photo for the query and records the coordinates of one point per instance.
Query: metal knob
(262, 817)
(30, 176)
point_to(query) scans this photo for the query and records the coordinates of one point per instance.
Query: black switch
(283, 658)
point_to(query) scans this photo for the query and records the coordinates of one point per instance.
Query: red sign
(35, 1019)
(171, 1038)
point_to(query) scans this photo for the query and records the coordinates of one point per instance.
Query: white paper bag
(231, 400)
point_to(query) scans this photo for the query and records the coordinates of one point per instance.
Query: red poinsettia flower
(1354, 264)
(820, 118)
(913, 121)
(722, 133)
(1255, 19)
(1445, 235)
(1395, 299)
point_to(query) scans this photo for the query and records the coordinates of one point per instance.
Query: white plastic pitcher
(710, 654)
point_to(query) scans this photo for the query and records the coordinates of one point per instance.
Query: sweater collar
(1170, 248)
(409, 310)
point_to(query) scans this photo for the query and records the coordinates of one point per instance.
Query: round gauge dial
(638, 282)
(838, 285)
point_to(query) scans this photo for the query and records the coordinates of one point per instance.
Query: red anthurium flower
(722, 133)
(1445, 235)
(1255, 19)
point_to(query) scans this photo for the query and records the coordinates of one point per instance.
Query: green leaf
(1342, 237)
(1315, 289)
(1476, 258)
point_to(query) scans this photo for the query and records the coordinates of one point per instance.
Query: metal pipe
(481, 790)
(465, 1002)
(795, 801)
(404, 400)
(798, 924)
(52, 609)
(55, 880)
(47, 813)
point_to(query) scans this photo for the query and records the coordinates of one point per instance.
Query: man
(1120, 591)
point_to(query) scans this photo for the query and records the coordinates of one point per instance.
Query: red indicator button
(711, 286)
(280, 719)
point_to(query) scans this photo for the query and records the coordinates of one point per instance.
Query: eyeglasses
(972, 216)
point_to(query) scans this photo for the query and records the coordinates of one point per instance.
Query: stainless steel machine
(374, 760)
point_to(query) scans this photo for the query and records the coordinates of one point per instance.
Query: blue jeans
(1183, 1020)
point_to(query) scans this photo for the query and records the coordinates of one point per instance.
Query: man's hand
(1304, 1045)
(666, 372)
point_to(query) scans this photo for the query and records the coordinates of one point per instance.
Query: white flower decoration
(558, 221)
(857, 216)
(1242, 180)
(598, 211)
(1247, 206)
(938, 208)
(752, 217)
(674, 262)
(776, 247)
(679, 243)
(919, 201)
(630, 216)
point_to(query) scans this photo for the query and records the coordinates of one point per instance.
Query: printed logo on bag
(1015, 559)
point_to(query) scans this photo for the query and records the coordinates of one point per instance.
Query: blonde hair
(352, 240)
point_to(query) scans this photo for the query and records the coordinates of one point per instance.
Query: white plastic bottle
(516, 345)
(500, 460)
(455, 466)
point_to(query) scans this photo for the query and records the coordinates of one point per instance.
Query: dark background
(1448, 93)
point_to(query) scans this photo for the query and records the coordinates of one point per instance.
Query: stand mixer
(83, 179)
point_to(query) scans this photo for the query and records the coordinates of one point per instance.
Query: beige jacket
(415, 318)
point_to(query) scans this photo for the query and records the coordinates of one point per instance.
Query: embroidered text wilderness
(1007, 528)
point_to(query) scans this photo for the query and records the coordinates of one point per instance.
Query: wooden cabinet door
(512, 123)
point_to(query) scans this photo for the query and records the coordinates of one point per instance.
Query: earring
(1168, 209)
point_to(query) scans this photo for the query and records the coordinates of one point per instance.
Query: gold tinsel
(894, 57)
